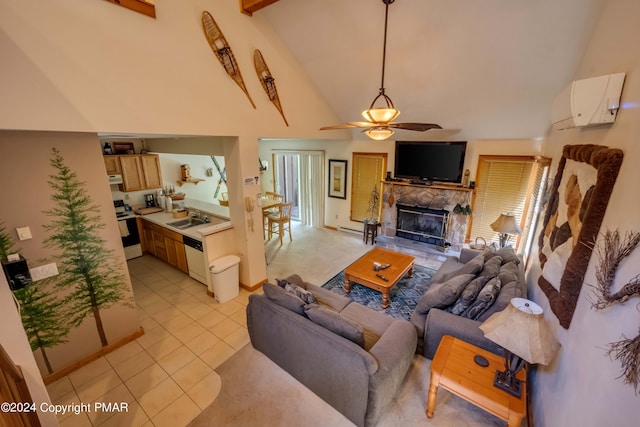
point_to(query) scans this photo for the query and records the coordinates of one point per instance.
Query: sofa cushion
(474, 266)
(508, 273)
(374, 323)
(491, 267)
(507, 254)
(469, 294)
(485, 299)
(508, 291)
(336, 323)
(443, 294)
(296, 290)
(284, 298)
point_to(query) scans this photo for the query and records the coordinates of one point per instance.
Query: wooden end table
(454, 369)
(362, 271)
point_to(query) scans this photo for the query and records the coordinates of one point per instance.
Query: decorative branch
(610, 254)
(627, 351)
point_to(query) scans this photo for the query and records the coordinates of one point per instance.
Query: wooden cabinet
(176, 254)
(165, 244)
(112, 163)
(139, 171)
(132, 178)
(151, 171)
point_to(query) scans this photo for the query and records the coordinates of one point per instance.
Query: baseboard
(252, 288)
(92, 357)
(331, 227)
(349, 230)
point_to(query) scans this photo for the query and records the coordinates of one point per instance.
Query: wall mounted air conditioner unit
(588, 102)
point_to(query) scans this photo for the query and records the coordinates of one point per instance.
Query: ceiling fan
(379, 125)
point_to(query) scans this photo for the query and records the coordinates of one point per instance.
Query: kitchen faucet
(195, 213)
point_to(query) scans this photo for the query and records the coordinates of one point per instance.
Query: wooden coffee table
(454, 369)
(362, 271)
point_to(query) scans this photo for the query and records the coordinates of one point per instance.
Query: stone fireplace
(430, 204)
(422, 224)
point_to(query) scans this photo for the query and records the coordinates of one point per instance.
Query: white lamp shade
(521, 329)
(379, 133)
(380, 115)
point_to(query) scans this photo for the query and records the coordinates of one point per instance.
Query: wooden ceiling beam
(249, 6)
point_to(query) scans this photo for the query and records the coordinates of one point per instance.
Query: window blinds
(367, 173)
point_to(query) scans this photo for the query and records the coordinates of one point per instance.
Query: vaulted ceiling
(482, 69)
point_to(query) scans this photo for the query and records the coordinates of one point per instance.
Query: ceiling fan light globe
(380, 115)
(379, 133)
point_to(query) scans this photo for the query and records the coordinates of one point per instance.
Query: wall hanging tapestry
(577, 204)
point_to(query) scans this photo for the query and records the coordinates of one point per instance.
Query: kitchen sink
(186, 223)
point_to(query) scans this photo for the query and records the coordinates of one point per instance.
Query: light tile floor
(168, 376)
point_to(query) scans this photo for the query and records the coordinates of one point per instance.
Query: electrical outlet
(24, 233)
(43, 271)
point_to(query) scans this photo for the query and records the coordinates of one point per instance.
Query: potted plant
(373, 209)
(462, 210)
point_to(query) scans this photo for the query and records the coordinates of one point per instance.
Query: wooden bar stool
(370, 230)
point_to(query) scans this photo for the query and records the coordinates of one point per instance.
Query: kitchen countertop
(197, 232)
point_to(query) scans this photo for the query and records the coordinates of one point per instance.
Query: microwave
(115, 179)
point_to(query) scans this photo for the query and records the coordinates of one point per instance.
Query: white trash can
(225, 278)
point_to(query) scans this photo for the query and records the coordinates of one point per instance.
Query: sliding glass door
(299, 176)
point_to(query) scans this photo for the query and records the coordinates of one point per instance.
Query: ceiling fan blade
(364, 124)
(420, 127)
(347, 126)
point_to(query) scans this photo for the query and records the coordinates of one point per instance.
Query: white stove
(128, 230)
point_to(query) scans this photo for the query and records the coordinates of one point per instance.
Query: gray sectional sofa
(349, 355)
(440, 311)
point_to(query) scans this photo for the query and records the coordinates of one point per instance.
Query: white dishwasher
(195, 259)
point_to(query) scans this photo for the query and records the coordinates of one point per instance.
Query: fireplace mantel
(435, 186)
(443, 197)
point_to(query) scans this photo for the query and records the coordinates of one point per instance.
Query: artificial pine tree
(6, 242)
(43, 317)
(41, 312)
(87, 268)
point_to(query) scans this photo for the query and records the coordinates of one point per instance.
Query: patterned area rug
(403, 297)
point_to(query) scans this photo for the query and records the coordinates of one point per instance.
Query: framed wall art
(338, 179)
(577, 204)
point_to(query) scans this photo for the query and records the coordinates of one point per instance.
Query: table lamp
(506, 225)
(520, 329)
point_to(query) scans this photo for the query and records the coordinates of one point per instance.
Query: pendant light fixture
(379, 124)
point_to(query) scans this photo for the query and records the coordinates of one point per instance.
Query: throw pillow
(301, 293)
(507, 254)
(336, 323)
(469, 294)
(507, 292)
(283, 298)
(443, 294)
(491, 267)
(508, 272)
(474, 266)
(485, 299)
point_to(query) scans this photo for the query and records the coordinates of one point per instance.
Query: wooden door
(151, 171)
(132, 177)
(13, 389)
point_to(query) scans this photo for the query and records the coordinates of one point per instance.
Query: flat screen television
(430, 161)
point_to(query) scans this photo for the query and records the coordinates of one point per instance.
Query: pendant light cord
(384, 43)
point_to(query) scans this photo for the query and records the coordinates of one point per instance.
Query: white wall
(581, 387)
(14, 341)
(95, 66)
